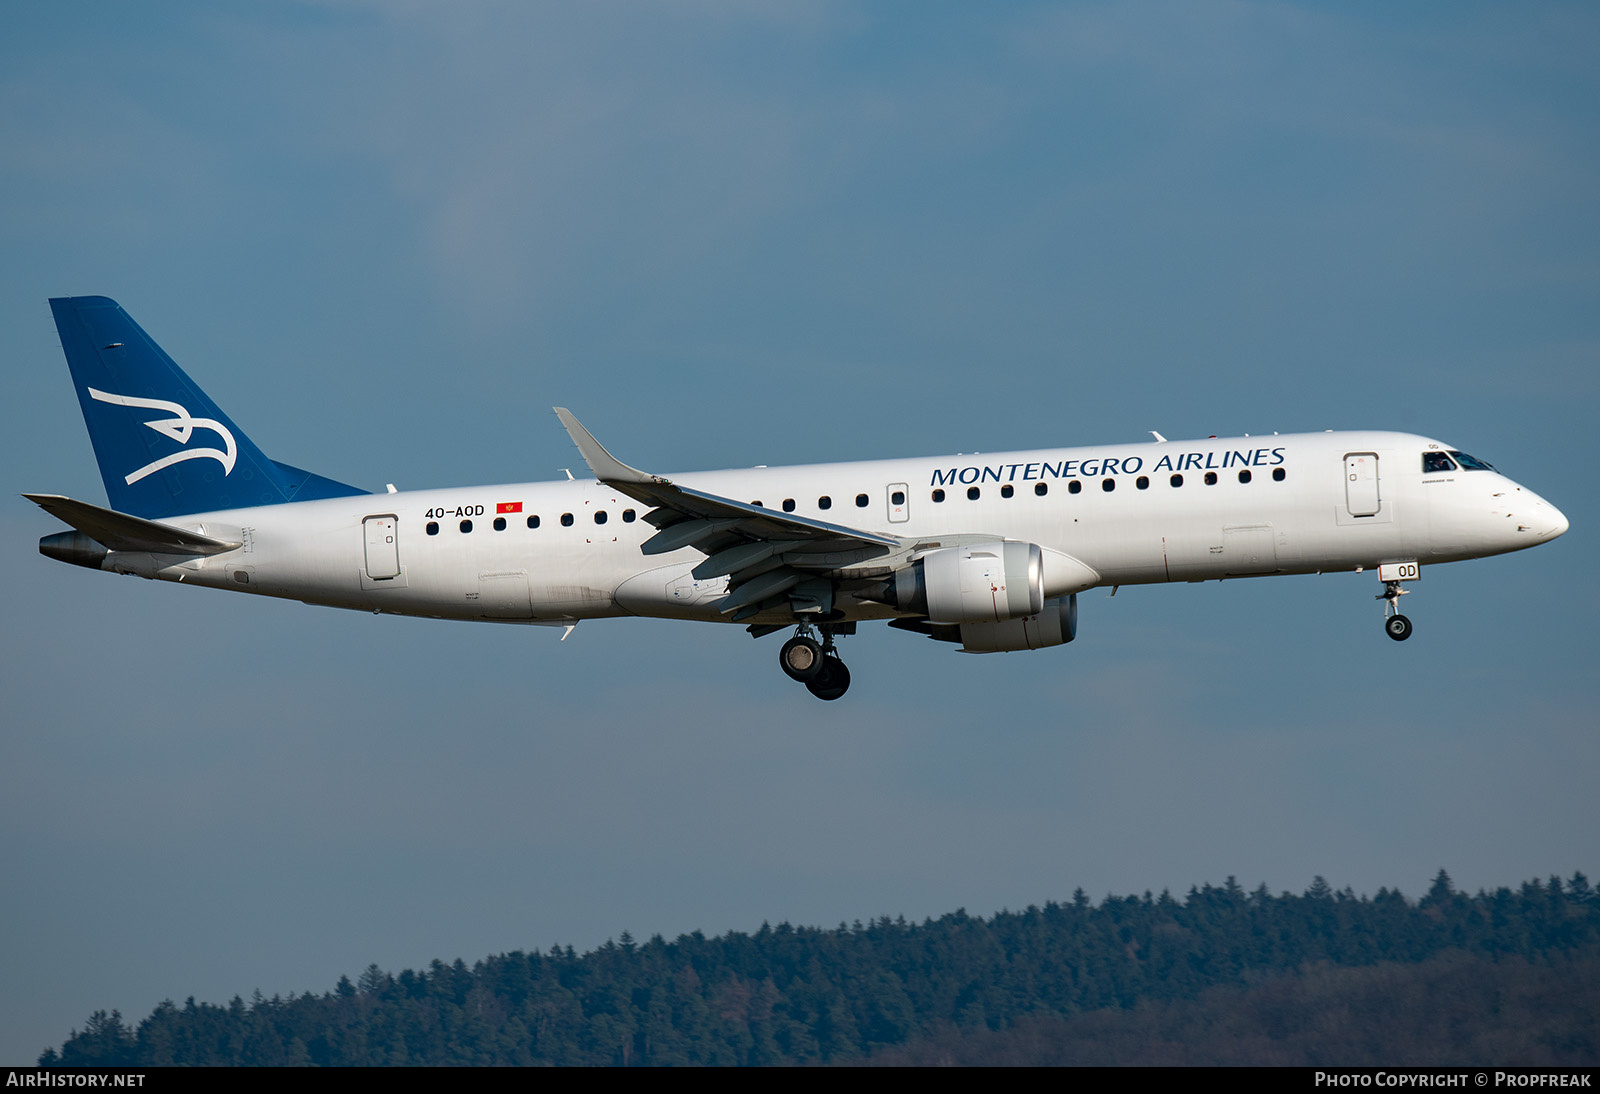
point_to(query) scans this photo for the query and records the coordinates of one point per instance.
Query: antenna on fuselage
(1159, 438)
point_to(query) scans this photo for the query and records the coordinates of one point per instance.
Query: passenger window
(1041, 489)
(1074, 486)
(972, 493)
(938, 495)
(466, 526)
(1176, 480)
(898, 497)
(788, 505)
(629, 516)
(1211, 478)
(1434, 462)
(499, 524)
(861, 501)
(1108, 485)
(824, 502)
(1244, 476)
(433, 527)
(533, 521)
(1142, 482)
(1006, 491)
(1278, 475)
(758, 505)
(566, 520)
(599, 516)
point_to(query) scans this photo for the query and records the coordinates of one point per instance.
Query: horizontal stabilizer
(121, 532)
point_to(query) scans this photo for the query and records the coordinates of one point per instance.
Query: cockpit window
(1471, 463)
(1434, 462)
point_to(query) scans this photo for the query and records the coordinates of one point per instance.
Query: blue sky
(388, 237)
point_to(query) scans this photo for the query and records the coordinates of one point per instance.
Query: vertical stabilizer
(163, 446)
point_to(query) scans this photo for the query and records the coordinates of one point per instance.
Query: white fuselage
(564, 551)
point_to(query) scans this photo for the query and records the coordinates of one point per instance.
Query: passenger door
(1361, 484)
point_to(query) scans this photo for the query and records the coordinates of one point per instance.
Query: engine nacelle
(1056, 625)
(974, 583)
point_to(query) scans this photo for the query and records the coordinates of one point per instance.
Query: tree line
(796, 995)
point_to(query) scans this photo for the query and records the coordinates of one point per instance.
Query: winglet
(606, 467)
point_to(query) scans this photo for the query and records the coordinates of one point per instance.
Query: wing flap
(685, 533)
(741, 556)
(759, 588)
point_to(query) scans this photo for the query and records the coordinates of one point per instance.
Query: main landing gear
(1395, 625)
(815, 664)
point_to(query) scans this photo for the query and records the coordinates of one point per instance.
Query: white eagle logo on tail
(180, 427)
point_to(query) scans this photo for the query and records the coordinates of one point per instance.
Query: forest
(1223, 975)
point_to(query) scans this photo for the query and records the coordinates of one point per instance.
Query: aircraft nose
(1528, 519)
(1556, 521)
(1544, 520)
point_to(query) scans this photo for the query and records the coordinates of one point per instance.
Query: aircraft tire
(1397, 627)
(830, 683)
(801, 658)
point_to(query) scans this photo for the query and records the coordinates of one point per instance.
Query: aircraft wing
(770, 558)
(121, 532)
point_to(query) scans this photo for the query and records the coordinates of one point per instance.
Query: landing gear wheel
(801, 658)
(1397, 627)
(832, 681)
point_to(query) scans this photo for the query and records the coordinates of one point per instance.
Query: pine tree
(1440, 892)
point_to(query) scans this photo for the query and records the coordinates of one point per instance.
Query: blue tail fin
(143, 413)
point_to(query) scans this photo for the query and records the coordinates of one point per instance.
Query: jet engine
(1056, 625)
(973, 583)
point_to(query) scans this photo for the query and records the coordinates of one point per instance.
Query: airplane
(987, 552)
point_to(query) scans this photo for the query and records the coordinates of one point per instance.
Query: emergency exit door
(899, 503)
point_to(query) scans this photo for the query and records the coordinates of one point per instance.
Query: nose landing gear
(1395, 625)
(815, 664)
